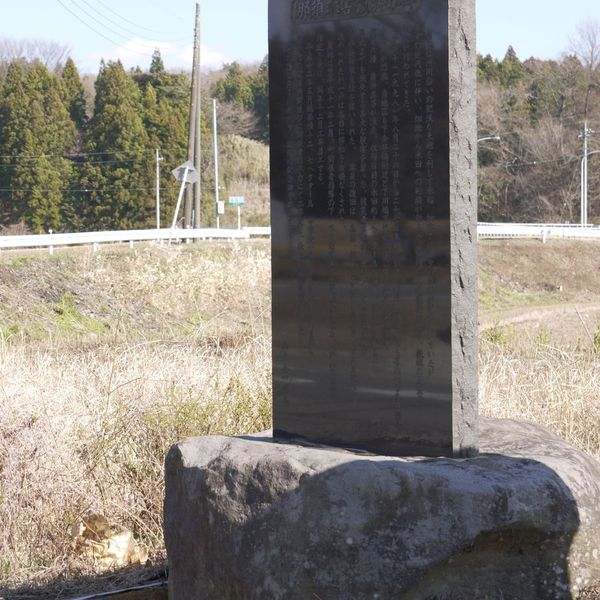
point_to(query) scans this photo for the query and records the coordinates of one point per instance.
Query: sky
(237, 29)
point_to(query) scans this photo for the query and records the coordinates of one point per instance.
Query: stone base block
(253, 519)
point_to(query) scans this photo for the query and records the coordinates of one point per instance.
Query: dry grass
(154, 345)
(522, 378)
(86, 419)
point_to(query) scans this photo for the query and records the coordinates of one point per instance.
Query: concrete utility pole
(216, 152)
(198, 128)
(158, 159)
(193, 193)
(586, 134)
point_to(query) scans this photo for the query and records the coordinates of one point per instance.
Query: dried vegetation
(108, 358)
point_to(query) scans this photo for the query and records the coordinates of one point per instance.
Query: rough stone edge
(463, 224)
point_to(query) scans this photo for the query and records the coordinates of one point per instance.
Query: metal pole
(158, 159)
(585, 173)
(216, 153)
(181, 190)
(239, 217)
(586, 134)
(582, 209)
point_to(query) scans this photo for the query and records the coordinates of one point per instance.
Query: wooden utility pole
(192, 197)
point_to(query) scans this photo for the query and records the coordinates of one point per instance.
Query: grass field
(108, 358)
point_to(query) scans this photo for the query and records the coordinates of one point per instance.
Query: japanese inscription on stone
(362, 294)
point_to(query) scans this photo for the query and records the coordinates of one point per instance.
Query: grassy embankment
(107, 358)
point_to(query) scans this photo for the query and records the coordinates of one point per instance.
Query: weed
(495, 335)
(597, 340)
(70, 318)
(543, 337)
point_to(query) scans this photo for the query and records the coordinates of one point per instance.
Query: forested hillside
(73, 157)
(75, 161)
(538, 108)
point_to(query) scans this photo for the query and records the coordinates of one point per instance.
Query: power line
(98, 32)
(131, 22)
(80, 163)
(126, 29)
(86, 190)
(532, 163)
(73, 154)
(141, 44)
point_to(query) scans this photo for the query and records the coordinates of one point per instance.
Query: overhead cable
(135, 24)
(141, 44)
(102, 35)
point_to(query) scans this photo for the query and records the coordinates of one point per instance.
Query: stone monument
(373, 158)
(373, 179)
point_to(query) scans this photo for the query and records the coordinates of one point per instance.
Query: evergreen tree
(74, 94)
(260, 98)
(120, 183)
(157, 66)
(511, 71)
(235, 87)
(35, 131)
(488, 69)
(13, 121)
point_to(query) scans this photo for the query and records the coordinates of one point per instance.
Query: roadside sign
(180, 172)
(220, 208)
(236, 200)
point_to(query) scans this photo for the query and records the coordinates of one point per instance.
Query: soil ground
(549, 291)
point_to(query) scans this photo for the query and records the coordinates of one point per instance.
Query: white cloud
(138, 52)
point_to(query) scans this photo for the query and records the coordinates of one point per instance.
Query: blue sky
(237, 29)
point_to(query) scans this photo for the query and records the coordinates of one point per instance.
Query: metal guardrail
(94, 238)
(537, 231)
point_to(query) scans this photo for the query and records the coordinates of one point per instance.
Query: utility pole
(216, 152)
(586, 134)
(198, 128)
(194, 123)
(158, 159)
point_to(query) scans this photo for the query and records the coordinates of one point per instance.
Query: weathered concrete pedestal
(249, 518)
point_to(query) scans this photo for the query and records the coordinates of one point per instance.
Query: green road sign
(236, 200)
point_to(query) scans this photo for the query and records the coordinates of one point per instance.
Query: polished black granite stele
(362, 350)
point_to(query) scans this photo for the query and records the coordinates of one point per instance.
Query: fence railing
(536, 231)
(94, 238)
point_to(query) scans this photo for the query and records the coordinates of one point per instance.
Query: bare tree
(585, 44)
(236, 120)
(52, 54)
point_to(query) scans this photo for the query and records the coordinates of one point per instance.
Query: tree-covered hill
(71, 160)
(538, 108)
(69, 166)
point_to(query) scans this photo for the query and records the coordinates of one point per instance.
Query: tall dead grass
(523, 378)
(86, 419)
